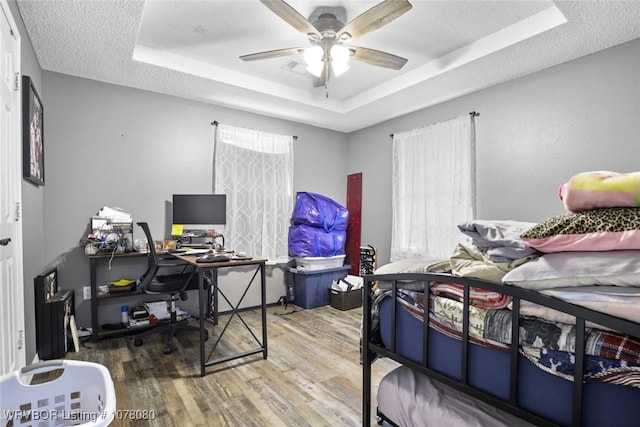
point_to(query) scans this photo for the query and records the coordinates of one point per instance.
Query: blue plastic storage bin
(311, 288)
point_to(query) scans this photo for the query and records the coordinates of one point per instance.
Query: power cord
(283, 301)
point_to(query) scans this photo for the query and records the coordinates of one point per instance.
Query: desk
(235, 311)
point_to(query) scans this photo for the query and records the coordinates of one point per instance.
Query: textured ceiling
(191, 49)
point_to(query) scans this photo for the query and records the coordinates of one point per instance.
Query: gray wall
(533, 134)
(109, 145)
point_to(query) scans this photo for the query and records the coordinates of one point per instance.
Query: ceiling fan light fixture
(316, 68)
(313, 55)
(339, 58)
(339, 68)
(328, 55)
(313, 58)
(339, 54)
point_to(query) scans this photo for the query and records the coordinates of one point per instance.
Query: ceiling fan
(328, 53)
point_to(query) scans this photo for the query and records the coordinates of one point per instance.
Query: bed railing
(517, 294)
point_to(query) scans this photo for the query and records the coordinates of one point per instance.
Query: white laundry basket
(83, 395)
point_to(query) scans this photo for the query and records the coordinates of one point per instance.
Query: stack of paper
(349, 283)
(115, 214)
(159, 309)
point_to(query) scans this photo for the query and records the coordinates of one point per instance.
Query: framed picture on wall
(32, 133)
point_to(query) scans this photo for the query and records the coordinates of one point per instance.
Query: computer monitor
(199, 211)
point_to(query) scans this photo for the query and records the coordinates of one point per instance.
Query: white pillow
(411, 266)
(407, 266)
(565, 269)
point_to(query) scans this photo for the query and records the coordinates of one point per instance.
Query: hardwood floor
(312, 376)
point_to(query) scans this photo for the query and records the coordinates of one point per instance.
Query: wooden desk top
(191, 259)
(117, 254)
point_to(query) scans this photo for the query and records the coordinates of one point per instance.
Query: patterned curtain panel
(255, 170)
(433, 188)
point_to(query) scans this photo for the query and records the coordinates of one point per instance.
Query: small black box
(346, 300)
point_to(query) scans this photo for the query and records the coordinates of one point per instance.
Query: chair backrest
(151, 247)
(152, 257)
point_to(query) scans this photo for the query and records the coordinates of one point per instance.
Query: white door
(12, 351)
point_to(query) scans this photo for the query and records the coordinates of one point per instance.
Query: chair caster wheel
(137, 342)
(168, 349)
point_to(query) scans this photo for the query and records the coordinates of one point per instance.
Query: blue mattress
(539, 392)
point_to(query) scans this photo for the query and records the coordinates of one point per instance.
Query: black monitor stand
(190, 240)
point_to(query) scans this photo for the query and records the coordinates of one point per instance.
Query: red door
(354, 206)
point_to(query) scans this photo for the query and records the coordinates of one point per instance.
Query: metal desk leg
(93, 278)
(235, 312)
(202, 301)
(263, 286)
(214, 295)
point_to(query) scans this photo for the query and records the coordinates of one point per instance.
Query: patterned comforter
(609, 356)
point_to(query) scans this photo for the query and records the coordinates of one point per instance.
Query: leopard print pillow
(593, 230)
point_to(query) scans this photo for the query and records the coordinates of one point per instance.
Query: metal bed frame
(510, 405)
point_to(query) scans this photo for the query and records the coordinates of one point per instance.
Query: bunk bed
(568, 299)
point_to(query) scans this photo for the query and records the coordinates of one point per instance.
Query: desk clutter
(205, 256)
(147, 313)
(119, 287)
(197, 238)
(111, 231)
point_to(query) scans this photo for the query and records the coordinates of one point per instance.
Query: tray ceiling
(191, 49)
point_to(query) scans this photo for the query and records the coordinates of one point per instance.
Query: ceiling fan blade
(272, 54)
(291, 16)
(374, 18)
(377, 57)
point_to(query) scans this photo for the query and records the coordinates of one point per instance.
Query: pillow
(408, 266)
(600, 189)
(604, 229)
(499, 240)
(411, 266)
(570, 269)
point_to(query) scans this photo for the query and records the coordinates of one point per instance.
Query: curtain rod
(472, 114)
(216, 123)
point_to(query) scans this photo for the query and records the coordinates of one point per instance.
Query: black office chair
(173, 284)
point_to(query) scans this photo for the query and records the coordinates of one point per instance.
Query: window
(255, 170)
(433, 188)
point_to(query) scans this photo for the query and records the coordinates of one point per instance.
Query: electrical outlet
(86, 293)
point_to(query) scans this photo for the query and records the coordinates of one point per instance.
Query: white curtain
(255, 170)
(433, 188)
